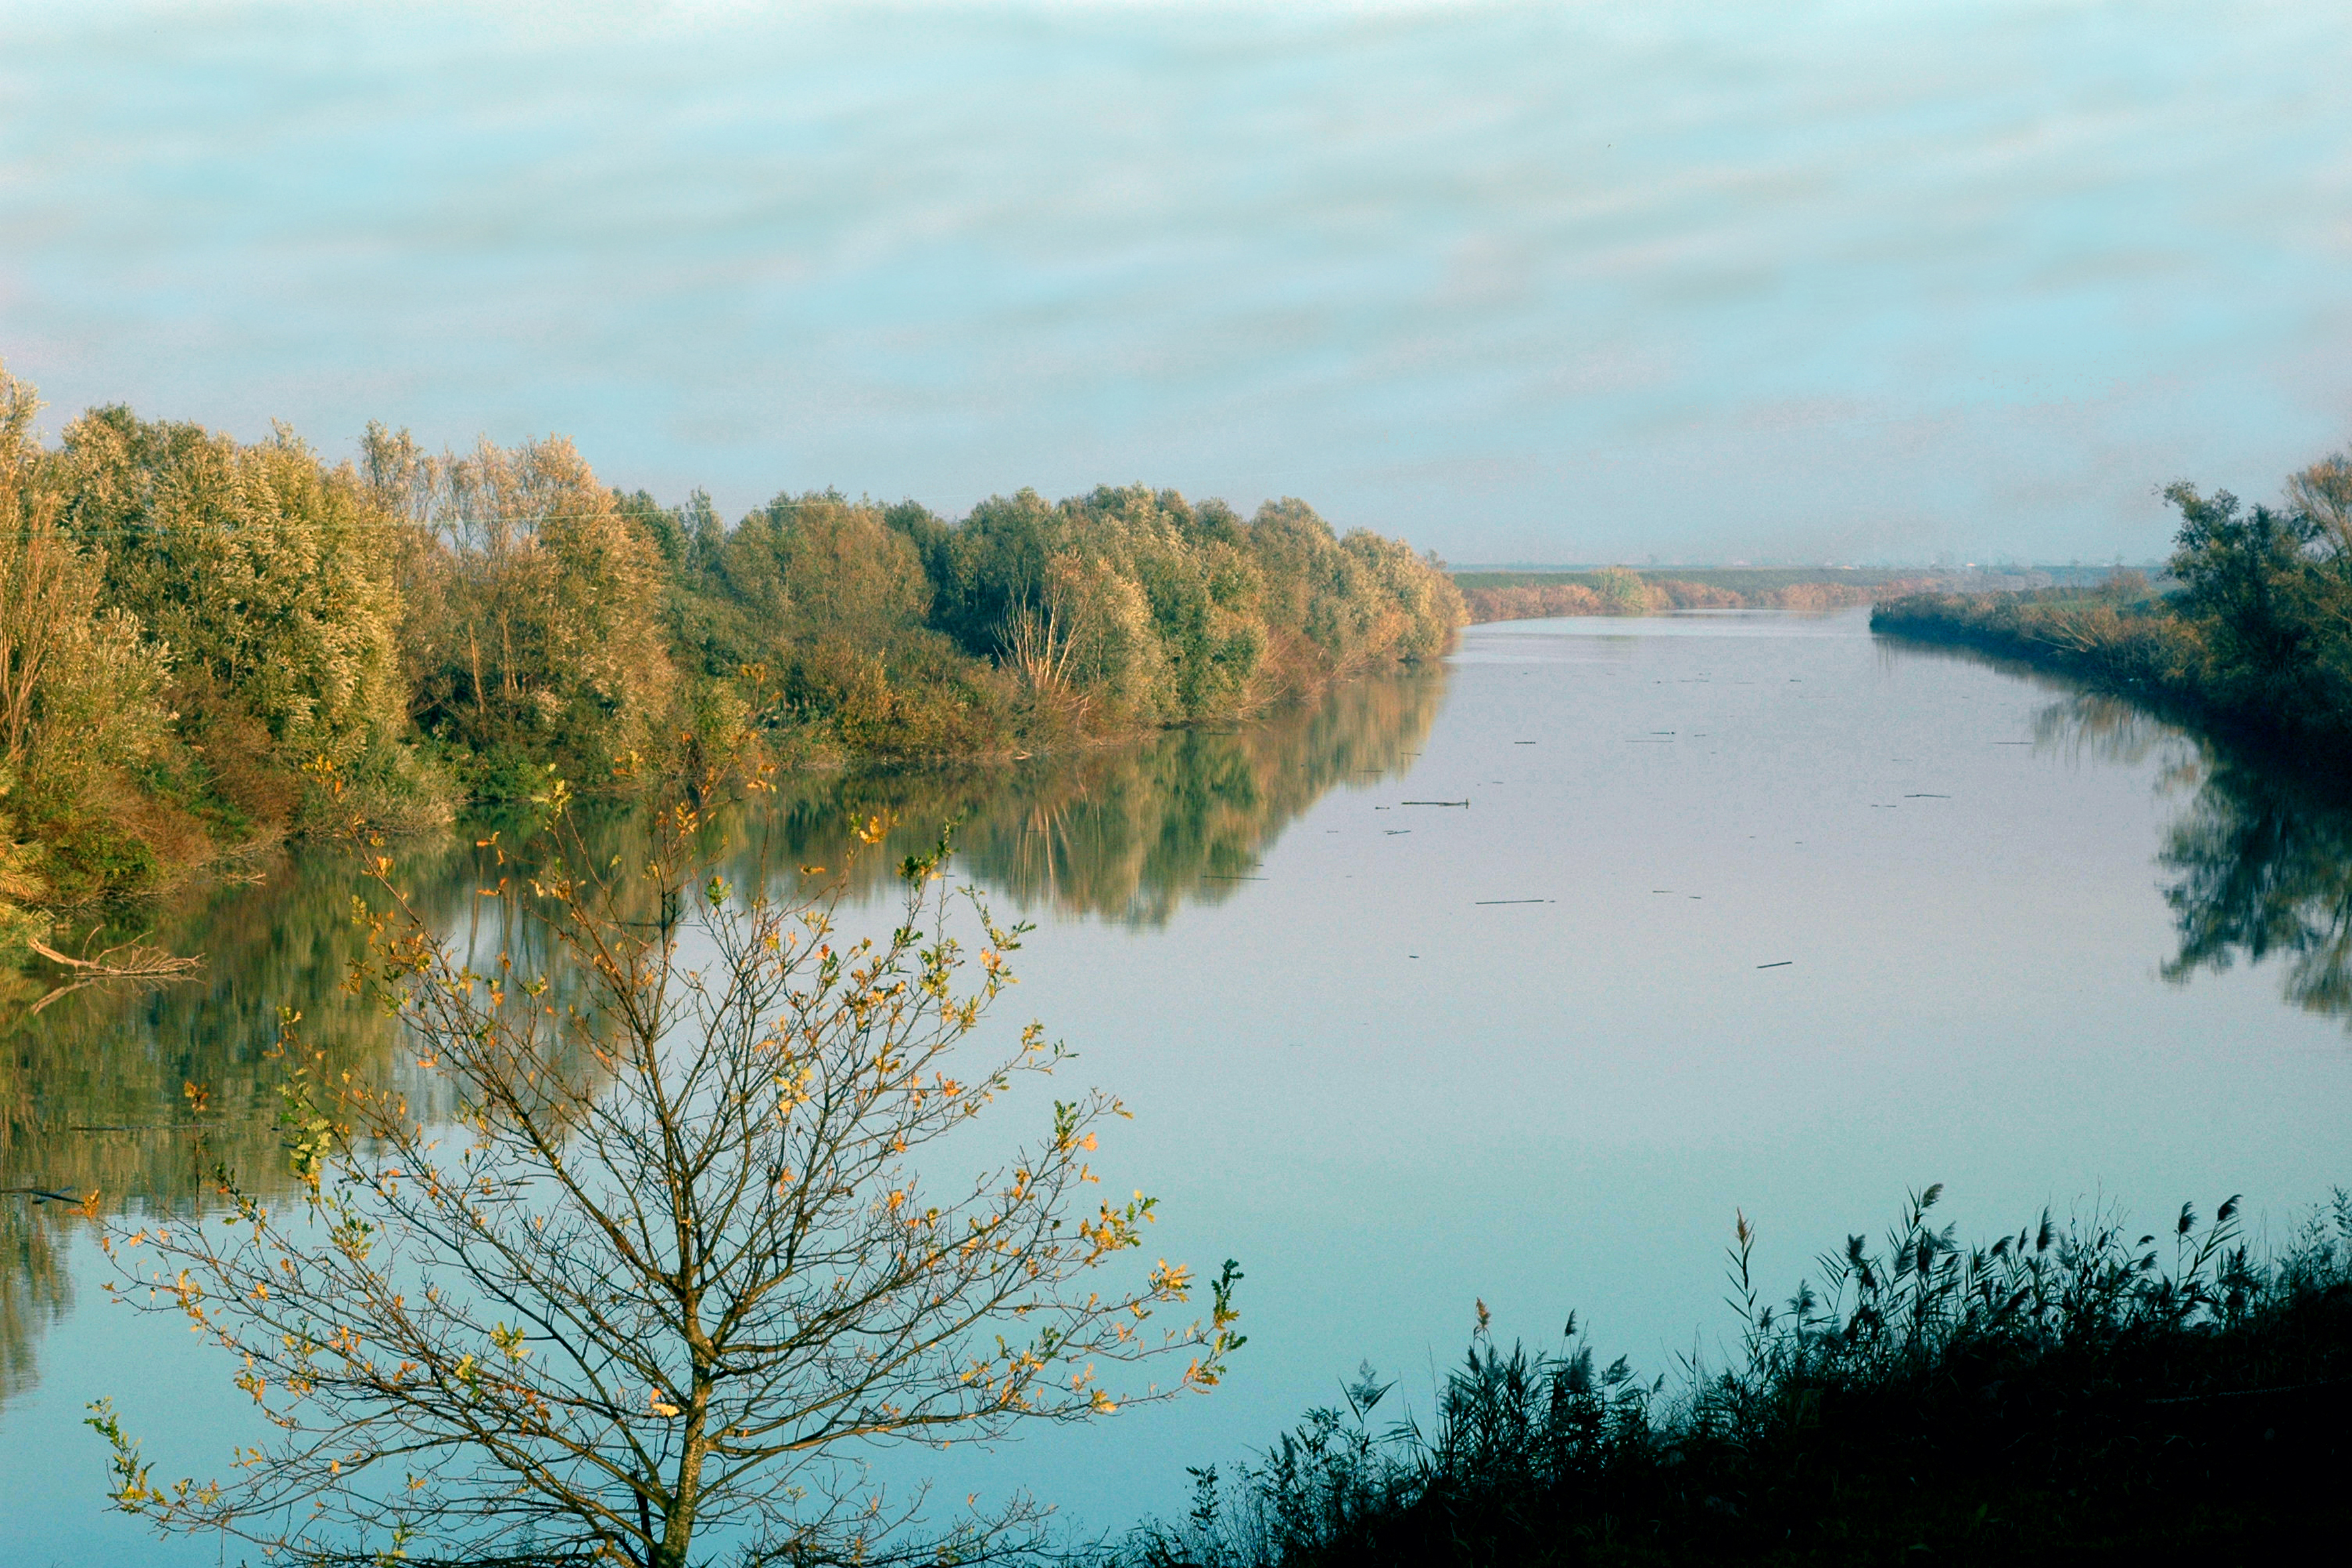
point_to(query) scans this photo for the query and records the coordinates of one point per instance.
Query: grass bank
(2252, 636)
(2124, 636)
(2084, 1393)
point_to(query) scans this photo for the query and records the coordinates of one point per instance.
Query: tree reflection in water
(2263, 869)
(1128, 833)
(2259, 863)
(136, 1095)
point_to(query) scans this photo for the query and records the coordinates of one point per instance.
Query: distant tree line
(189, 623)
(1624, 591)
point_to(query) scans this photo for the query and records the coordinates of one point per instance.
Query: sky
(1882, 282)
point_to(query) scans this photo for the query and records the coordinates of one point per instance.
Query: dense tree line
(188, 623)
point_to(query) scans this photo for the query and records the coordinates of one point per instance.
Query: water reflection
(2261, 869)
(2092, 726)
(137, 1095)
(2258, 864)
(1127, 834)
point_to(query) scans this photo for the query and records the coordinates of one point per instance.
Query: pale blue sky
(1535, 283)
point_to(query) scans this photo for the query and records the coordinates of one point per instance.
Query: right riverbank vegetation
(2070, 1392)
(2250, 634)
(188, 623)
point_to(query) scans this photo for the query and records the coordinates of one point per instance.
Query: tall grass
(2066, 1390)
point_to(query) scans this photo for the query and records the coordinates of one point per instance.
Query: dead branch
(136, 963)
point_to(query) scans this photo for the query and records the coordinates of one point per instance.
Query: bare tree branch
(672, 1263)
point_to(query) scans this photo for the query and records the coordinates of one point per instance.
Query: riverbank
(2252, 636)
(2124, 636)
(191, 628)
(1628, 590)
(2149, 647)
(2063, 1394)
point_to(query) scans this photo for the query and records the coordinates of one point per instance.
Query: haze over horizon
(1863, 283)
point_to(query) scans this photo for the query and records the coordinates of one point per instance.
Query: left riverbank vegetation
(2251, 630)
(654, 1247)
(188, 623)
(2070, 1392)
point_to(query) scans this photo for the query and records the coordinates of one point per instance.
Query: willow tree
(537, 627)
(669, 1265)
(81, 682)
(259, 568)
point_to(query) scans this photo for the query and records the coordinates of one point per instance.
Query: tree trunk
(686, 1497)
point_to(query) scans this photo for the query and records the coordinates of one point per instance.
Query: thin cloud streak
(1561, 284)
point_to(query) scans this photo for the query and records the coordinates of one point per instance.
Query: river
(1745, 912)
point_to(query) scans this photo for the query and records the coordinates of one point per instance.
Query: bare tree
(669, 1267)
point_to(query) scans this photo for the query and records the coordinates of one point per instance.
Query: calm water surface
(1396, 1057)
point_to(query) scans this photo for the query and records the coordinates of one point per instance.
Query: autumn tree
(538, 628)
(821, 566)
(77, 677)
(81, 682)
(674, 1259)
(2322, 491)
(261, 568)
(1334, 607)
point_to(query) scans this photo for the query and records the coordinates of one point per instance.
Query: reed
(2078, 1391)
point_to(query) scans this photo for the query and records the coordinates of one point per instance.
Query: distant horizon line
(2004, 565)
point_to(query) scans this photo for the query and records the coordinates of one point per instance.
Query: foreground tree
(662, 1265)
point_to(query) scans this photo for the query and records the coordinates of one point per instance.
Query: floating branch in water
(1776, 964)
(41, 1194)
(125, 961)
(1461, 803)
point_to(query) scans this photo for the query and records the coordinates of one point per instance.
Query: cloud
(1670, 278)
